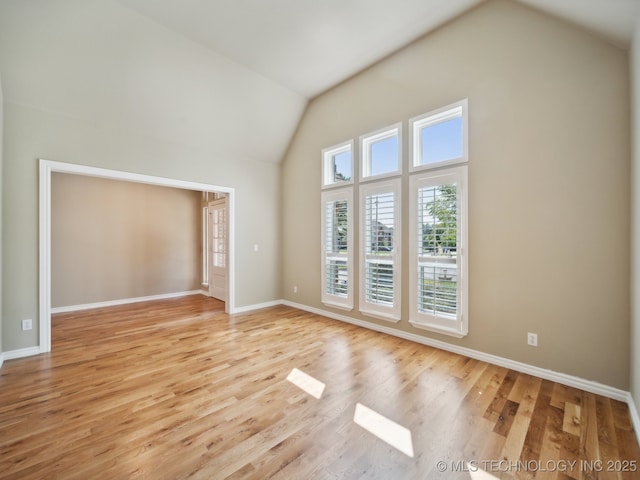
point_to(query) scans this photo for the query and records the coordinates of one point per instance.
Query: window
(380, 249)
(440, 137)
(381, 153)
(438, 251)
(337, 164)
(337, 248)
(437, 222)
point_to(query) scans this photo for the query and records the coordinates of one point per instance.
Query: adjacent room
(320, 239)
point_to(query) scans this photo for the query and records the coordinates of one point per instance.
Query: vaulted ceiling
(225, 76)
(308, 46)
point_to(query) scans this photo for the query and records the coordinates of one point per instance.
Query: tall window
(337, 248)
(437, 213)
(380, 249)
(438, 251)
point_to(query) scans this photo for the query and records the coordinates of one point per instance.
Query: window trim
(434, 117)
(392, 314)
(460, 326)
(345, 193)
(365, 152)
(327, 155)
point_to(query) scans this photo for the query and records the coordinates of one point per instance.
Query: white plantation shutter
(337, 248)
(438, 251)
(380, 249)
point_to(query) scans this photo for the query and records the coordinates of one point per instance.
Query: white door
(217, 236)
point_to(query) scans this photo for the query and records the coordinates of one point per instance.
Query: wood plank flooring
(178, 389)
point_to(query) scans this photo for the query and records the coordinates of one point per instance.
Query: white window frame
(458, 326)
(327, 298)
(327, 164)
(416, 124)
(365, 151)
(391, 313)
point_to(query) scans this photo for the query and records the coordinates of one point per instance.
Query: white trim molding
(633, 413)
(564, 379)
(1, 359)
(22, 352)
(257, 306)
(124, 301)
(47, 167)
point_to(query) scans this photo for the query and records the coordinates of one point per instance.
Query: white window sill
(452, 332)
(381, 316)
(348, 308)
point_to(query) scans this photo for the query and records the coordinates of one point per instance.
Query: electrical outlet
(27, 324)
(532, 339)
(256, 247)
(295, 289)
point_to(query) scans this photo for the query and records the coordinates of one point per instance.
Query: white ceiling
(309, 46)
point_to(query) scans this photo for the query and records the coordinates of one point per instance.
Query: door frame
(47, 167)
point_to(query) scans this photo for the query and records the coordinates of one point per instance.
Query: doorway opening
(47, 168)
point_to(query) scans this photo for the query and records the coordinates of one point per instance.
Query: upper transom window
(439, 137)
(337, 164)
(380, 153)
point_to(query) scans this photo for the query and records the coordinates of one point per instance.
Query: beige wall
(548, 182)
(634, 57)
(95, 83)
(1, 202)
(113, 240)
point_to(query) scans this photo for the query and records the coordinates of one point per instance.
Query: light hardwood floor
(178, 389)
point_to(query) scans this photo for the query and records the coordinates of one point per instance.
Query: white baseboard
(112, 303)
(21, 353)
(1, 359)
(564, 379)
(635, 418)
(257, 306)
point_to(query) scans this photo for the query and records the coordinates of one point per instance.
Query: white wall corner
(257, 306)
(634, 71)
(1, 216)
(635, 417)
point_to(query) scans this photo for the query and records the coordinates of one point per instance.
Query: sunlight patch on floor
(387, 430)
(306, 382)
